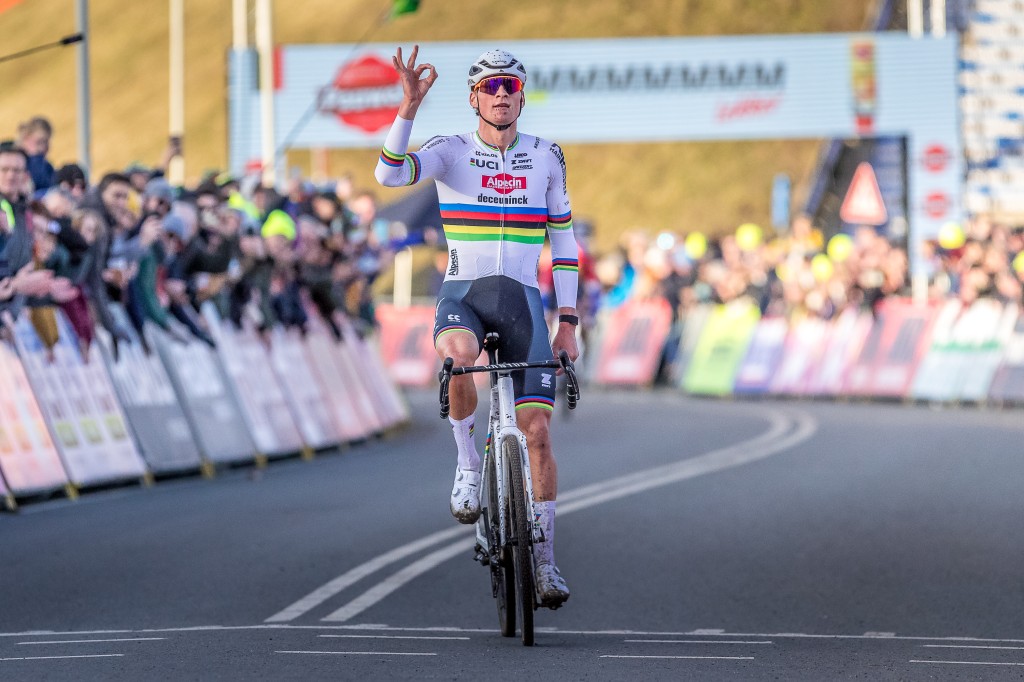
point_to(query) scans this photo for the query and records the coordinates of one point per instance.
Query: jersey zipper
(501, 229)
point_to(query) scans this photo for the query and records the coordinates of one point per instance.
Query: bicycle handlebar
(572, 389)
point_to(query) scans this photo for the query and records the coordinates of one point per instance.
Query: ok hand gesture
(414, 86)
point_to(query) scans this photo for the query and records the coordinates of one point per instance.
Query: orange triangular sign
(863, 204)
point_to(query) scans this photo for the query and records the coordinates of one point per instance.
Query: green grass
(710, 186)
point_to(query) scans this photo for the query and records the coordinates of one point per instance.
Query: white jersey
(495, 207)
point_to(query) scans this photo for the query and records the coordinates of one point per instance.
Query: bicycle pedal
(480, 556)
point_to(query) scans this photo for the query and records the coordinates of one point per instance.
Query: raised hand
(414, 85)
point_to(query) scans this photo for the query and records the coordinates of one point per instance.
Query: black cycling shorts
(515, 312)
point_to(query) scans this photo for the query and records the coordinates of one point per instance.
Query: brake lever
(445, 377)
(572, 387)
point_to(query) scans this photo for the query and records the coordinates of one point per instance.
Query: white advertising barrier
(255, 386)
(843, 344)
(966, 347)
(1008, 382)
(354, 416)
(803, 350)
(202, 387)
(366, 363)
(78, 402)
(147, 396)
(306, 397)
(29, 459)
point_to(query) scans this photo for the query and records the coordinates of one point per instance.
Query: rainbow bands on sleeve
(389, 158)
(560, 222)
(565, 265)
(414, 161)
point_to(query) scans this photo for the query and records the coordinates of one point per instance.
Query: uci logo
(484, 163)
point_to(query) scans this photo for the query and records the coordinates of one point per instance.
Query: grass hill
(683, 186)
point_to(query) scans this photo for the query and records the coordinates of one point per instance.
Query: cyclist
(499, 191)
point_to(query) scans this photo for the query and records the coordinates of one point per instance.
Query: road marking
(779, 424)
(970, 646)
(777, 439)
(359, 653)
(688, 641)
(712, 658)
(83, 641)
(393, 637)
(45, 658)
(965, 662)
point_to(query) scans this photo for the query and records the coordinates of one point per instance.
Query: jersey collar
(479, 139)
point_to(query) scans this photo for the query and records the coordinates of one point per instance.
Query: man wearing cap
(501, 192)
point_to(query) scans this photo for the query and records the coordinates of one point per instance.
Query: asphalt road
(701, 539)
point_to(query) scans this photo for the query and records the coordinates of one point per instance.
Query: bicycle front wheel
(522, 537)
(503, 582)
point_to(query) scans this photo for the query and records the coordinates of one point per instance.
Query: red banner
(632, 341)
(407, 344)
(895, 346)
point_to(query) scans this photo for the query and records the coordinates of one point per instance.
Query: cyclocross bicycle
(505, 532)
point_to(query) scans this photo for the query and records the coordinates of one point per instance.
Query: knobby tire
(501, 557)
(522, 549)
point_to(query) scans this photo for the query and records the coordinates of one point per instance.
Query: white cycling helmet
(496, 63)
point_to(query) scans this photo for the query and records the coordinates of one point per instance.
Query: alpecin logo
(503, 183)
(454, 269)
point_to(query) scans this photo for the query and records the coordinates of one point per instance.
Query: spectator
(34, 137)
(71, 178)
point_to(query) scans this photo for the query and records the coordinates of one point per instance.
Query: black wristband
(571, 319)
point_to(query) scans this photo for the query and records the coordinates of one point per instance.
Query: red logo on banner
(365, 94)
(937, 204)
(863, 204)
(503, 183)
(935, 158)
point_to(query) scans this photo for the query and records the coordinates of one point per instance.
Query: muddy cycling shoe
(465, 501)
(551, 586)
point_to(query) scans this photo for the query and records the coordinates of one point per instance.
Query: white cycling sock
(469, 458)
(544, 518)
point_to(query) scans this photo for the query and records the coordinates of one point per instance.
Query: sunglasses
(491, 85)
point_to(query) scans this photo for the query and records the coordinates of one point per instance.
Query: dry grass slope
(710, 186)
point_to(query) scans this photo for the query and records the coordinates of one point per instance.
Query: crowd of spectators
(262, 257)
(800, 273)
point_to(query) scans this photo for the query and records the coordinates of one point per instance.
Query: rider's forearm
(393, 167)
(564, 267)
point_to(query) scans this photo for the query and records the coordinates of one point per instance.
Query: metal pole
(265, 47)
(239, 24)
(938, 17)
(915, 17)
(84, 105)
(176, 169)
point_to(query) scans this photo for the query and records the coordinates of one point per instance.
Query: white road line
(685, 641)
(779, 424)
(965, 662)
(712, 658)
(392, 637)
(46, 658)
(84, 641)
(970, 646)
(772, 442)
(358, 653)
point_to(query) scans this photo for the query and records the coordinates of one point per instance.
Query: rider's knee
(462, 349)
(534, 424)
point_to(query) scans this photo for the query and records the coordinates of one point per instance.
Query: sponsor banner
(893, 350)
(407, 344)
(693, 325)
(255, 386)
(398, 408)
(763, 356)
(842, 345)
(1008, 382)
(29, 459)
(203, 391)
(631, 345)
(79, 404)
(721, 349)
(147, 396)
(306, 397)
(979, 366)
(353, 414)
(804, 345)
(364, 361)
